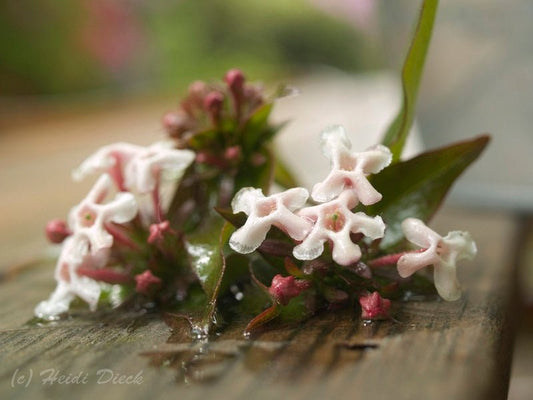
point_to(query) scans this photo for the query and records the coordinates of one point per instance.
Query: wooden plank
(433, 349)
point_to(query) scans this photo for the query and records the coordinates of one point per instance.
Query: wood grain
(431, 350)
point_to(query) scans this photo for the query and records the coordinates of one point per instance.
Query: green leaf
(207, 259)
(255, 129)
(283, 176)
(417, 187)
(259, 176)
(396, 135)
(205, 250)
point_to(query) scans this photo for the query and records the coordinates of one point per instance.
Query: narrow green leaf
(259, 176)
(207, 254)
(283, 176)
(205, 250)
(417, 187)
(396, 135)
(256, 127)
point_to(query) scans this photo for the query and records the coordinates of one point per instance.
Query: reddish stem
(120, 237)
(390, 259)
(157, 201)
(106, 275)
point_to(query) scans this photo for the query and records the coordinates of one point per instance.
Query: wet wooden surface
(432, 349)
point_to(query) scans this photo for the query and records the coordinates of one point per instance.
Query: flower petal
(446, 283)
(409, 263)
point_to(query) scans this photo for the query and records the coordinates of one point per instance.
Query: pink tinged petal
(445, 276)
(409, 263)
(311, 247)
(460, 245)
(330, 187)
(123, 208)
(374, 159)
(365, 191)
(372, 227)
(110, 158)
(345, 252)
(249, 237)
(90, 216)
(296, 227)
(263, 212)
(349, 169)
(244, 200)
(419, 234)
(158, 161)
(334, 141)
(74, 255)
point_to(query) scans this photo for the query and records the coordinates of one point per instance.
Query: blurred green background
(65, 46)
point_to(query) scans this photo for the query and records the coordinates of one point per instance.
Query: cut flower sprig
(189, 224)
(331, 248)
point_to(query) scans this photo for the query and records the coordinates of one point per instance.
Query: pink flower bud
(147, 282)
(176, 123)
(283, 289)
(234, 78)
(158, 231)
(213, 105)
(57, 231)
(197, 89)
(233, 153)
(373, 306)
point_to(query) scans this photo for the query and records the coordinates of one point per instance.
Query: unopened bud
(373, 306)
(146, 282)
(176, 123)
(213, 105)
(283, 289)
(233, 153)
(57, 231)
(234, 78)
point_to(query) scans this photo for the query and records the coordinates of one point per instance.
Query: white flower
(263, 212)
(441, 252)
(111, 159)
(89, 217)
(136, 168)
(349, 169)
(334, 221)
(74, 254)
(160, 160)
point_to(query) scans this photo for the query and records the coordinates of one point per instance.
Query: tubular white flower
(74, 254)
(89, 217)
(136, 168)
(157, 161)
(263, 212)
(334, 221)
(111, 159)
(441, 252)
(349, 169)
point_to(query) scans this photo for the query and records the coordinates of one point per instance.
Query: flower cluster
(334, 221)
(331, 221)
(157, 222)
(98, 228)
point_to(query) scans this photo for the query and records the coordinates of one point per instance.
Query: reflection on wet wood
(431, 349)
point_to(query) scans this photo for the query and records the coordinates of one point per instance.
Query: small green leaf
(396, 135)
(416, 187)
(256, 128)
(259, 176)
(266, 316)
(283, 176)
(207, 254)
